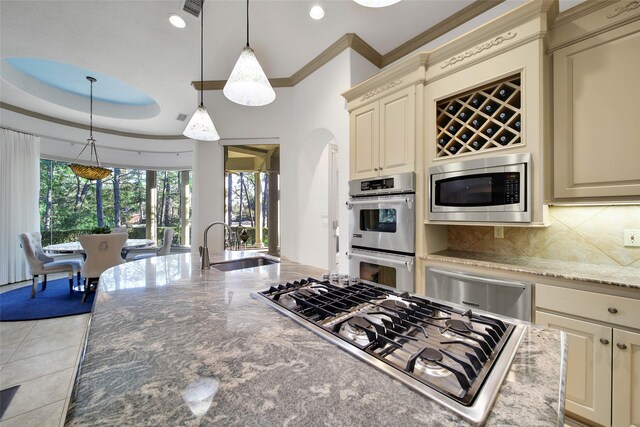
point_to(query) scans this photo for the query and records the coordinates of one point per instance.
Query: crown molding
(355, 42)
(69, 123)
(473, 10)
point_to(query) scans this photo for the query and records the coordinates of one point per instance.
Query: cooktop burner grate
(445, 352)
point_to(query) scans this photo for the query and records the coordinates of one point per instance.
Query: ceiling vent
(181, 117)
(192, 7)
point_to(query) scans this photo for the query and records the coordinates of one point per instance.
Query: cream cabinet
(596, 131)
(626, 378)
(603, 368)
(382, 136)
(588, 389)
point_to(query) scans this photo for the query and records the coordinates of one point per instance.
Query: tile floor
(42, 357)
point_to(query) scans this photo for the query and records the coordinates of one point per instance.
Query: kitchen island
(170, 344)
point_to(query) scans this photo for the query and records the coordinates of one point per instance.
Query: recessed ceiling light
(177, 21)
(316, 12)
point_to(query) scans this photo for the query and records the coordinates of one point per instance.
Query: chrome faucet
(204, 250)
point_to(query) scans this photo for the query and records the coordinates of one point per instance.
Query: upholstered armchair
(38, 263)
(164, 249)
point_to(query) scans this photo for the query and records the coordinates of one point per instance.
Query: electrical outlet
(498, 232)
(632, 237)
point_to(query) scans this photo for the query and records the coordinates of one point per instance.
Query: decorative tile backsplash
(590, 234)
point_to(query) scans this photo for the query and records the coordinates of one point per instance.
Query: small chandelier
(248, 85)
(201, 126)
(89, 171)
(376, 3)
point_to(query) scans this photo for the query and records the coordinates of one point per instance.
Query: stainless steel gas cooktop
(454, 356)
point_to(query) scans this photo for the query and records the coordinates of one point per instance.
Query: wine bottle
(453, 108)
(504, 116)
(454, 148)
(477, 122)
(453, 128)
(489, 131)
(504, 92)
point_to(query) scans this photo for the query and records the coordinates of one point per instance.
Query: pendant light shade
(200, 125)
(376, 3)
(248, 85)
(90, 171)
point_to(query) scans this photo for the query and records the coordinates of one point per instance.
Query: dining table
(76, 247)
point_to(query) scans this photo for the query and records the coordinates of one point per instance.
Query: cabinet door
(596, 126)
(364, 142)
(626, 379)
(588, 388)
(397, 132)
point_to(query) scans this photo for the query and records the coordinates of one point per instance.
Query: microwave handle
(407, 264)
(389, 201)
(470, 277)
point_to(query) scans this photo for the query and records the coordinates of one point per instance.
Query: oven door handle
(407, 264)
(470, 277)
(386, 201)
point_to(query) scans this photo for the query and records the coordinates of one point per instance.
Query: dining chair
(38, 265)
(164, 249)
(103, 252)
(37, 238)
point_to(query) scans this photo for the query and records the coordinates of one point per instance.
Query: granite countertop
(628, 277)
(163, 334)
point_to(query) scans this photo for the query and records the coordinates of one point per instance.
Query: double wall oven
(382, 230)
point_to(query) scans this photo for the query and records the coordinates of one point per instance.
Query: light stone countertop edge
(618, 276)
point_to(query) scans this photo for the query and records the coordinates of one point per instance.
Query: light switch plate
(632, 238)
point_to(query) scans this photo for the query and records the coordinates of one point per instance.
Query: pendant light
(376, 3)
(247, 84)
(89, 171)
(201, 126)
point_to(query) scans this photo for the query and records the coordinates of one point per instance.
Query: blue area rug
(54, 302)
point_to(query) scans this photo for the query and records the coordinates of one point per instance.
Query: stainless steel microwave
(492, 189)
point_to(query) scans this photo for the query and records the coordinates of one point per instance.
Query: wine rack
(481, 119)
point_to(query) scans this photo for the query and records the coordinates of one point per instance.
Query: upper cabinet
(382, 135)
(596, 132)
(385, 119)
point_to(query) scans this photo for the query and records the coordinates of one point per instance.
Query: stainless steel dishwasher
(506, 297)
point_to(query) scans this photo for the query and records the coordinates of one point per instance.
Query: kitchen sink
(241, 264)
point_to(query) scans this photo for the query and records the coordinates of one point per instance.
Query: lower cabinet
(588, 389)
(603, 367)
(626, 378)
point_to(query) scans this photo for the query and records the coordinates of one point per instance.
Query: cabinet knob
(612, 310)
(604, 341)
(621, 346)
(375, 169)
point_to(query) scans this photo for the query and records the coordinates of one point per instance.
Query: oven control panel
(399, 183)
(377, 184)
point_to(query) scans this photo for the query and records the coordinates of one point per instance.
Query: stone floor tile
(37, 366)
(36, 346)
(45, 416)
(38, 392)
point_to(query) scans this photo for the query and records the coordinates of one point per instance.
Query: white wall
(305, 119)
(318, 118)
(207, 194)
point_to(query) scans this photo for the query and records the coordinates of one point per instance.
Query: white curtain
(19, 207)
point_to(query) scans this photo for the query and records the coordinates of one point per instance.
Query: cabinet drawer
(607, 308)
